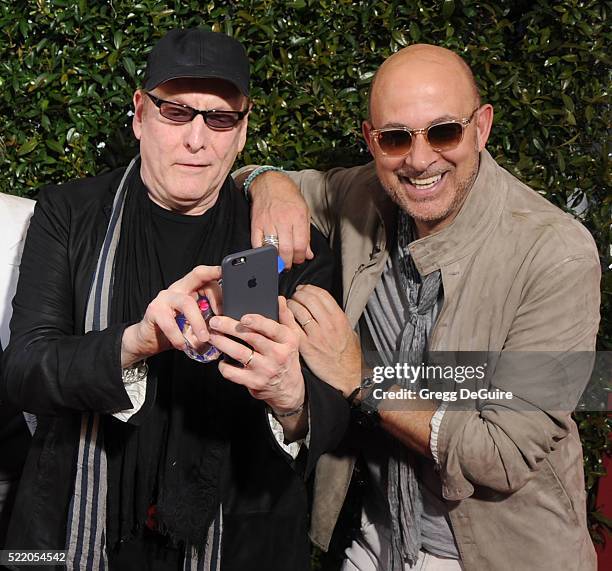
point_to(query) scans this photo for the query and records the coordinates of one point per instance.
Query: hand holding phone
(269, 354)
(266, 343)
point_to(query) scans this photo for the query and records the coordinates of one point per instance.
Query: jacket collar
(476, 219)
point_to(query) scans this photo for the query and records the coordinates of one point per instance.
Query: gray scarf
(405, 500)
(85, 534)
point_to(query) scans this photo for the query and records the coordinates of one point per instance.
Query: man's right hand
(158, 331)
(278, 209)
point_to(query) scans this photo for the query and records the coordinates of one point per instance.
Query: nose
(196, 134)
(421, 155)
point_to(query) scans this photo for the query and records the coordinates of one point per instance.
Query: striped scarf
(85, 534)
(405, 500)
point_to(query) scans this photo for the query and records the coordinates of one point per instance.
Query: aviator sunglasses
(397, 141)
(183, 114)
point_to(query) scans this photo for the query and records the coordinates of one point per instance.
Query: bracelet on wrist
(137, 372)
(254, 174)
(366, 383)
(294, 412)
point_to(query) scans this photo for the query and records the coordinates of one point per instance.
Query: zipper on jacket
(361, 269)
(348, 295)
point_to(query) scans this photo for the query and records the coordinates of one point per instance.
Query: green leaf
(567, 101)
(244, 15)
(537, 144)
(130, 66)
(55, 146)
(560, 161)
(262, 146)
(117, 38)
(27, 147)
(400, 38)
(448, 7)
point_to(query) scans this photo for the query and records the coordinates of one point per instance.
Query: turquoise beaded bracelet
(254, 174)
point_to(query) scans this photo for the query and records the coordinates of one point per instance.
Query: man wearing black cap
(143, 458)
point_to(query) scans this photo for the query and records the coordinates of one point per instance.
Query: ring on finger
(270, 240)
(246, 363)
(302, 325)
(275, 383)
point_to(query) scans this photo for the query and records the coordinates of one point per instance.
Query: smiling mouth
(422, 183)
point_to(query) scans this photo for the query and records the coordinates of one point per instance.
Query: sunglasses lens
(395, 142)
(175, 113)
(222, 119)
(445, 136)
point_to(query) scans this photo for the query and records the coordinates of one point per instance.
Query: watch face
(367, 382)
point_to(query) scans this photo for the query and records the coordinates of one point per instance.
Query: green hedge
(68, 69)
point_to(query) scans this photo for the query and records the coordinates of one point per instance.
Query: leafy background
(68, 69)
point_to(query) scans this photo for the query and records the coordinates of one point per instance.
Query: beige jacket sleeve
(545, 363)
(324, 192)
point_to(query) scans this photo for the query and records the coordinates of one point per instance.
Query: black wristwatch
(368, 415)
(365, 412)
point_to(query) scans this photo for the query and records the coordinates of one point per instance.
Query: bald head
(426, 168)
(424, 62)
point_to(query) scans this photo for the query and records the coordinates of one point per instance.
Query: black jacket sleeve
(329, 411)
(50, 365)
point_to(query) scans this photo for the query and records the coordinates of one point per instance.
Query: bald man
(443, 250)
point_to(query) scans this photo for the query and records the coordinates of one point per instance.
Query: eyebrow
(175, 102)
(441, 119)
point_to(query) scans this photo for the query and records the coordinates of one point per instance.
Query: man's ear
(138, 113)
(366, 129)
(483, 125)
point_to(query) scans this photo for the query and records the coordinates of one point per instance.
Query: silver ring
(246, 363)
(270, 240)
(302, 325)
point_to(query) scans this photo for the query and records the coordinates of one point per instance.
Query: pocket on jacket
(556, 485)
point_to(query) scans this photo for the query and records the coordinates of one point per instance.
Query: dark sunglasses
(183, 114)
(397, 141)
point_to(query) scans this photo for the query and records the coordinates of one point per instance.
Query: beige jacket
(518, 275)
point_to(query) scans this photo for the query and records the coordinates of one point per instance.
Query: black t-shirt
(176, 238)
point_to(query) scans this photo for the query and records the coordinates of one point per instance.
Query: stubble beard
(415, 210)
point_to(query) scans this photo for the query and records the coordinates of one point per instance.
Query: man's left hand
(328, 344)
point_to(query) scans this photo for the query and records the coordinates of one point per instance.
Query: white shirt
(15, 213)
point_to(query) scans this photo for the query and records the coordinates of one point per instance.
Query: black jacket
(54, 370)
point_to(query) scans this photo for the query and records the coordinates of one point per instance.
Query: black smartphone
(250, 283)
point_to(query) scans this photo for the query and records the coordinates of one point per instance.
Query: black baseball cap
(198, 53)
